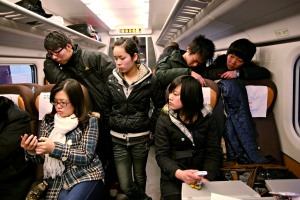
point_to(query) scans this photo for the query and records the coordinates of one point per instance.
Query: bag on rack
(86, 29)
(254, 175)
(34, 6)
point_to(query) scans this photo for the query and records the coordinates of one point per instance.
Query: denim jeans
(130, 159)
(88, 190)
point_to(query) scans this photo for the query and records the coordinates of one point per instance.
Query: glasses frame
(54, 53)
(62, 104)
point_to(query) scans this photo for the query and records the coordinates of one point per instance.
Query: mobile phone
(201, 173)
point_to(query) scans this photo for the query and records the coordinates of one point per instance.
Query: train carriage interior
(272, 25)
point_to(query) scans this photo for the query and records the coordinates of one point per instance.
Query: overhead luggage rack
(18, 20)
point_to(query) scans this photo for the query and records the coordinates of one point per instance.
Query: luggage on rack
(86, 29)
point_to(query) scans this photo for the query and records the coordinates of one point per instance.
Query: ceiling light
(121, 14)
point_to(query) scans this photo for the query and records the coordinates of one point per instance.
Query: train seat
(268, 137)
(24, 98)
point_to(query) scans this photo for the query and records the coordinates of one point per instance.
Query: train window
(17, 73)
(297, 97)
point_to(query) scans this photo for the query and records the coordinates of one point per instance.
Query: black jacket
(175, 151)
(90, 68)
(248, 71)
(131, 114)
(16, 175)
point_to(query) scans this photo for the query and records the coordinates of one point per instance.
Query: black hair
(190, 95)
(55, 40)
(242, 48)
(74, 91)
(202, 47)
(5, 105)
(131, 45)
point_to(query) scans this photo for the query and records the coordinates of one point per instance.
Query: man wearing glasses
(90, 68)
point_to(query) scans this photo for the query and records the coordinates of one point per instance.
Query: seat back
(24, 98)
(268, 137)
(214, 92)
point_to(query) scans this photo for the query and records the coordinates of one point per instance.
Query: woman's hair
(55, 40)
(190, 95)
(131, 46)
(5, 105)
(74, 91)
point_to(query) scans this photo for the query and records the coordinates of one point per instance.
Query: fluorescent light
(124, 14)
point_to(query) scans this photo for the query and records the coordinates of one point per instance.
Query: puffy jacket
(90, 68)
(248, 71)
(127, 106)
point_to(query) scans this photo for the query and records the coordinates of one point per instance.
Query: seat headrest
(17, 99)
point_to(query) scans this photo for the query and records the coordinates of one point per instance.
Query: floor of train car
(153, 176)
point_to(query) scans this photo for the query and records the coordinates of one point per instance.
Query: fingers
(29, 142)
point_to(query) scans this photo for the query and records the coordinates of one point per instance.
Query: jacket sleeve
(52, 71)
(163, 151)
(105, 66)
(218, 67)
(167, 71)
(252, 71)
(158, 99)
(10, 136)
(213, 151)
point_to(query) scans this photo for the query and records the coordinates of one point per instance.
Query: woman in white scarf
(67, 146)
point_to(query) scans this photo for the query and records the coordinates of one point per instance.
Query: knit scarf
(62, 125)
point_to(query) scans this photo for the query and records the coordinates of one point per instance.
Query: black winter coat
(16, 175)
(248, 71)
(131, 114)
(175, 151)
(90, 68)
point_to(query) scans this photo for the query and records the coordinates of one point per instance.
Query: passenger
(130, 88)
(16, 175)
(181, 62)
(240, 132)
(91, 69)
(236, 63)
(67, 146)
(185, 138)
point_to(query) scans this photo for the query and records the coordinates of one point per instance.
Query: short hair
(242, 48)
(203, 47)
(130, 45)
(55, 40)
(191, 95)
(74, 91)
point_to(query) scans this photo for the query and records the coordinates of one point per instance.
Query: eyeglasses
(62, 104)
(50, 54)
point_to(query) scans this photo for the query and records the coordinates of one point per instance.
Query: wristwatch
(237, 73)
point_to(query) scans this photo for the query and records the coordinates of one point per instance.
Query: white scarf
(62, 125)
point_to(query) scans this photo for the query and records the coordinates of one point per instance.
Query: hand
(199, 78)
(44, 146)
(29, 143)
(228, 75)
(188, 176)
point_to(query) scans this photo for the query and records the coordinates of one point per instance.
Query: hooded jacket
(127, 106)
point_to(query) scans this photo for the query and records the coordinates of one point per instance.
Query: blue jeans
(88, 190)
(130, 159)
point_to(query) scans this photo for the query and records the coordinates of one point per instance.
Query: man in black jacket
(91, 69)
(236, 63)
